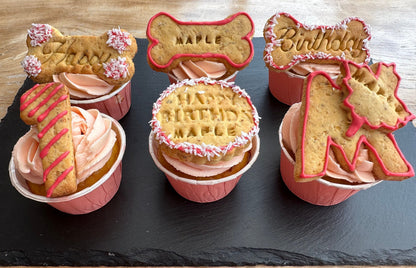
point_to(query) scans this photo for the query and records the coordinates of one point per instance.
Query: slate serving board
(260, 222)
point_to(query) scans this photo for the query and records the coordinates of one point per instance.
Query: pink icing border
(154, 41)
(196, 149)
(330, 142)
(271, 23)
(357, 120)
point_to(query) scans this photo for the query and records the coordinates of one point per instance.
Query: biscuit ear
(47, 106)
(378, 85)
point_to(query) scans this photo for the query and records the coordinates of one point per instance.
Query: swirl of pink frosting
(362, 173)
(306, 68)
(205, 170)
(192, 70)
(93, 141)
(83, 86)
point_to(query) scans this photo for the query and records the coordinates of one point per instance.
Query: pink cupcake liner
(173, 79)
(116, 104)
(286, 87)
(318, 192)
(203, 191)
(90, 198)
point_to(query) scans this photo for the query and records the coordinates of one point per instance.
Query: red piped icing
(24, 103)
(272, 41)
(331, 142)
(357, 120)
(154, 41)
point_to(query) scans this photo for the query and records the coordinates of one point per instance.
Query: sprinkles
(39, 33)
(31, 65)
(116, 68)
(118, 39)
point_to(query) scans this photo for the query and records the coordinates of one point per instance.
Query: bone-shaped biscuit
(322, 98)
(289, 42)
(378, 84)
(172, 41)
(47, 106)
(110, 56)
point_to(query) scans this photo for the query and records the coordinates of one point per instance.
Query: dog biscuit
(47, 106)
(324, 124)
(109, 56)
(289, 42)
(172, 41)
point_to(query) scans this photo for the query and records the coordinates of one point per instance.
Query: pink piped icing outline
(357, 120)
(118, 39)
(203, 150)
(39, 34)
(154, 41)
(271, 23)
(330, 142)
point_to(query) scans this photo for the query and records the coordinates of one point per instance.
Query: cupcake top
(289, 42)
(204, 118)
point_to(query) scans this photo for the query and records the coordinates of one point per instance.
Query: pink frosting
(305, 68)
(93, 141)
(83, 86)
(191, 70)
(362, 173)
(204, 170)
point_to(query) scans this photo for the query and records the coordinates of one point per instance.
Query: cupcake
(204, 137)
(293, 50)
(71, 157)
(190, 50)
(330, 151)
(96, 69)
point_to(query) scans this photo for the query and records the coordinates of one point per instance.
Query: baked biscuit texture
(47, 106)
(326, 123)
(204, 121)
(172, 41)
(289, 42)
(109, 56)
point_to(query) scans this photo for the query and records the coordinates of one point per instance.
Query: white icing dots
(118, 40)
(39, 33)
(31, 65)
(116, 68)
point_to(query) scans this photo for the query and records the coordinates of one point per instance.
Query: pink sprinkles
(39, 33)
(118, 40)
(31, 65)
(116, 68)
(203, 150)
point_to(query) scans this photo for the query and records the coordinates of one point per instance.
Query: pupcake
(339, 139)
(293, 50)
(204, 136)
(190, 50)
(70, 157)
(96, 69)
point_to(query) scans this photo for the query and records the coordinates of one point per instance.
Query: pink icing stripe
(58, 180)
(357, 120)
(25, 95)
(330, 142)
(25, 104)
(45, 150)
(155, 41)
(50, 108)
(54, 164)
(51, 123)
(45, 100)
